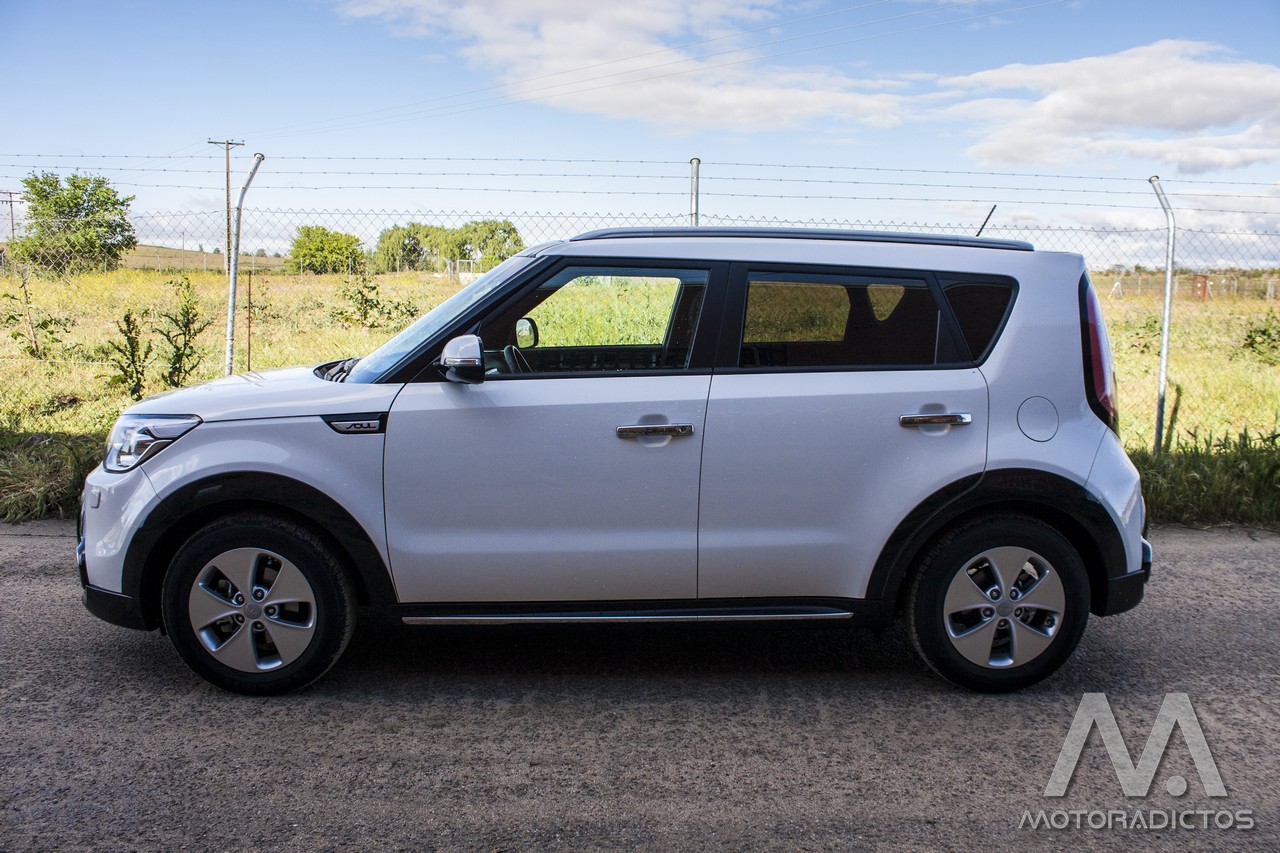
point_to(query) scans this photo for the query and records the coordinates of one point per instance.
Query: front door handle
(642, 430)
(948, 419)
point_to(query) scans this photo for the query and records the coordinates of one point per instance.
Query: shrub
(1263, 338)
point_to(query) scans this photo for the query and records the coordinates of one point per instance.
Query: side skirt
(736, 610)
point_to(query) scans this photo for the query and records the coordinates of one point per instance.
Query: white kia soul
(652, 425)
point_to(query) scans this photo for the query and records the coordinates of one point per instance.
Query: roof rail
(809, 234)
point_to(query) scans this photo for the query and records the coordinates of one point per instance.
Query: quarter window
(980, 308)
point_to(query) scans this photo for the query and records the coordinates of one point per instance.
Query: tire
(999, 604)
(258, 605)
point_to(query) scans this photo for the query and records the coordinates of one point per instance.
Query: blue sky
(892, 94)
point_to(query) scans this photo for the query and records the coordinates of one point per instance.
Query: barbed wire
(708, 167)
(561, 191)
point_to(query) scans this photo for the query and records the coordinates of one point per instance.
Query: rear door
(842, 399)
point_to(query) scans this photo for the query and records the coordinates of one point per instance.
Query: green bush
(1263, 338)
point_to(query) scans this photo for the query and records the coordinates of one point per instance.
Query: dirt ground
(632, 738)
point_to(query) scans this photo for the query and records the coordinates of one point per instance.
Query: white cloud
(1176, 102)
(1182, 103)
(616, 60)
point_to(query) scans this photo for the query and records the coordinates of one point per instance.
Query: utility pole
(227, 145)
(13, 233)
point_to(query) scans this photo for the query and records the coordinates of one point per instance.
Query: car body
(652, 425)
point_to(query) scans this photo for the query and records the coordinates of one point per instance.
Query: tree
(487, 242)
(490, 241)
(408, 247)
(317, 249)
(82, 224)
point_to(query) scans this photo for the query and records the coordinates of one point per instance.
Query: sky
(1056, 111)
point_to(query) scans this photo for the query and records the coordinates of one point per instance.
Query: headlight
(136, 438)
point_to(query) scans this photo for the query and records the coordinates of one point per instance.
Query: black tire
(988, 641)
(258, 605)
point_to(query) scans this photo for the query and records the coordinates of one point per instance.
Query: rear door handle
(948, 419)
(641, 430)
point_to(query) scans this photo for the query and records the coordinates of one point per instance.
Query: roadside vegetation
(78, 348)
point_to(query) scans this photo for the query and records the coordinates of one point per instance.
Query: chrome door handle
(949, 419)
(639, 430)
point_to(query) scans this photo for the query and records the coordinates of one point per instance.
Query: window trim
(705, 336)
(731, 338)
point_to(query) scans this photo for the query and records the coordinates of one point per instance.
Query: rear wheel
(999, 604)
(258, 605)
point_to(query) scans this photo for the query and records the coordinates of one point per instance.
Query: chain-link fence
(195, 240)
(70, 361)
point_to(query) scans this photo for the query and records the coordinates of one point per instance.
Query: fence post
(693, 191)
(233, 266)
(1168, 310)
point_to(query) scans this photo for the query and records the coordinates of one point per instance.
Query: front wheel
(258, 605)
(999, 604)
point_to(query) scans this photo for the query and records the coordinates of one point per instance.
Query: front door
(571, 473)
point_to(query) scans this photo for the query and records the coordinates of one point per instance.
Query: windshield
(386, 356)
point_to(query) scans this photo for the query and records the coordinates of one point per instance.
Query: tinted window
(980, 308)
(834, 321)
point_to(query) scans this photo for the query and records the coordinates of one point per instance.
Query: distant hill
(164, 257)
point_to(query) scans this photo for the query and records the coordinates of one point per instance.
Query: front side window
(836, 321)
(599, 319)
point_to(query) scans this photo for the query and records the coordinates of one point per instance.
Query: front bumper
(122, 610)
(1125, 592)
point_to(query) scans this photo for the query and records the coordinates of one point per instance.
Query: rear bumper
(1124, 592)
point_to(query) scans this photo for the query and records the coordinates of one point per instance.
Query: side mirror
(463, 360)
(526, 333)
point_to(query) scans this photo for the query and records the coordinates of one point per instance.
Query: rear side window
(980, 309)
(837, 321)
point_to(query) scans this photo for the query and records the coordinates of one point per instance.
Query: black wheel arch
(1066, 506)
(197, 504)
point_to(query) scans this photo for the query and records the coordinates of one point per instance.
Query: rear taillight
(1099, 369)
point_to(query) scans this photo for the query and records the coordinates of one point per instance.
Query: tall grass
(1208, 480)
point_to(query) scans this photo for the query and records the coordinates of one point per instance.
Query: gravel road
(631, 738)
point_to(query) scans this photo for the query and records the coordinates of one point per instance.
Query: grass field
(1218, 387)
